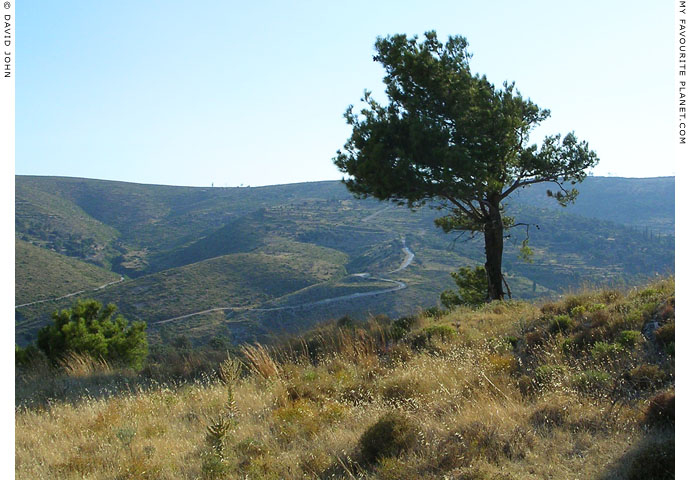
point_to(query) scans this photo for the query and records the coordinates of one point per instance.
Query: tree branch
(474, 214)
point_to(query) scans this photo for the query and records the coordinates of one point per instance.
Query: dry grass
(484, 403)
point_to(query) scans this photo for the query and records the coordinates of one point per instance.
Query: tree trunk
(493, 246)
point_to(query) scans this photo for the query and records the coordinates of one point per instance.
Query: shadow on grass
(39, 385)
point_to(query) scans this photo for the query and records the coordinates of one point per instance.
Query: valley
(251, 263)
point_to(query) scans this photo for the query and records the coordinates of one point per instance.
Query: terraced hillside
(225, 259)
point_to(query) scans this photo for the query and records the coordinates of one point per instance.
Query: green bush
(545, 375)
(592, 381)
(402, 327)
(605, 351)
(560, 323)
(646, 377)
(89, 328)
(25, 355)
(444, 332)
(392, 434)
(434, 312)
(472, 288)
(629, 338)
(418, 341)
(670, 348)
(568, 346)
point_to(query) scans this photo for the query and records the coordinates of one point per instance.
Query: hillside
(258, 260)
(579, 388)
(645, 203)
(41, 274)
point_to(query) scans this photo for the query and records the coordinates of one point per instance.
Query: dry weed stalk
(260, 360)
(223, 424)
(82, 365)
(230, 370)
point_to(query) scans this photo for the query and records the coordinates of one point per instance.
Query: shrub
(629, 338)
(666, 334)
(527, 385)
(549, 416)
(605, 351)
(568, 346)
(560, 323)
(637, 317)
(655, 460)
(444, 332)
(670, 348)
(434, 312)
(551, 308)
(472, 287)
(668, 311)
(661, 411)
(609, 296)
(213, 466)
(573, 301)
(25, 355)
(346, 322)
(402, 327)
(534, 339)
(503, 362)
(392, 434)
(88, 328)
(585, 337)
(545, 375)
(595, 307)
(406, 323)
(418, 341)
(646, 377)
(592, 381)
(401, 390)
(484, 440)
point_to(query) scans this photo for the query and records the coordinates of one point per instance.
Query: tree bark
(493, 246)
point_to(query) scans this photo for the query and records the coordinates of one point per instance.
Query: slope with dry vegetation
(580, 388)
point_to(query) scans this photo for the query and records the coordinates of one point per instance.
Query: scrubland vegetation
(579, 388)
(189, 249)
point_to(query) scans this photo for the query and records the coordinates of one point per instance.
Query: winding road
(399, 285)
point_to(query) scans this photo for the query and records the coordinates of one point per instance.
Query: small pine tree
(89, 328)
(472, 287)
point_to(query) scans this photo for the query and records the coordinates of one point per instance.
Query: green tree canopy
(449, 135)
(471, 288)
(89, 328)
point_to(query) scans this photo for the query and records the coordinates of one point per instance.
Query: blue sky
(190, 93)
